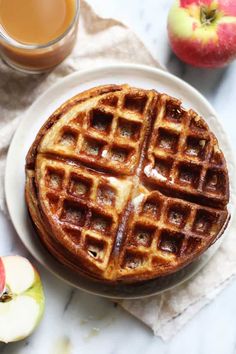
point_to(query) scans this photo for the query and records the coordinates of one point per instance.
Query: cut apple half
(22, 299)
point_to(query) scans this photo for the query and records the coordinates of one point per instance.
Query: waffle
(124, 184)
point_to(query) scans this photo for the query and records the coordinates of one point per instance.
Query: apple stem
(6, 296)
(207, 16)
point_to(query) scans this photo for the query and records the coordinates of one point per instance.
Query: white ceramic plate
(33, 119)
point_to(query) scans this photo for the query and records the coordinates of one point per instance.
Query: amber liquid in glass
(36, 22)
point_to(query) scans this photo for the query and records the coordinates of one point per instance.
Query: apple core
(208, 15)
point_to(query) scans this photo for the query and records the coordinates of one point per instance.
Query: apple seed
(6, 296)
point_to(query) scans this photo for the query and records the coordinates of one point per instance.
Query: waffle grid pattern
(184, 153)
(85, 206)
(163, 228)
(89, 183)
(107, 136)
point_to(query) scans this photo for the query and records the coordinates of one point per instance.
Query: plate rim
(67, 79)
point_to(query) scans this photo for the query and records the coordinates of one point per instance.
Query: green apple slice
(22, 303)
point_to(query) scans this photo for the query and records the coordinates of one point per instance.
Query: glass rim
(13, 43)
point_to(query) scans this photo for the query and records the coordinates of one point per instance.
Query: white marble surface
(78, 323)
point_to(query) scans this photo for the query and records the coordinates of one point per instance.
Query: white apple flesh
(22, 302)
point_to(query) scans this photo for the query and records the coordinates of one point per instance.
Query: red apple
(203, 32)
(2, 277)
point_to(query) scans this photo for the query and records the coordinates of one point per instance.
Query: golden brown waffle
(123, 184)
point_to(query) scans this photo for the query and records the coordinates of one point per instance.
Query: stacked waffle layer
(125, 185)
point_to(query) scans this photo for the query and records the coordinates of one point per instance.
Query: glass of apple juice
(37, 35)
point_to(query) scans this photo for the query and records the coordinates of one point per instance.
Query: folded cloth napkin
(105, 41)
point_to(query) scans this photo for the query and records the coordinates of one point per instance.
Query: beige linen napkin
(105, 41)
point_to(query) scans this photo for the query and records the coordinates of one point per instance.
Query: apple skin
(22, 311)
(208, 45)
(2, 277)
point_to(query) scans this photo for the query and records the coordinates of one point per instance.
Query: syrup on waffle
(123, 184)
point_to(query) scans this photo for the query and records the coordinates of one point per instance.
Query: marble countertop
(79, 323)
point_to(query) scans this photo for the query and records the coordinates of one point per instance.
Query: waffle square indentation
(100, 223)
(215, 181)
(133, 260)
(171, 242)
(162, 168)
(143, 235)
(128, 129)
(54, 178)
(95, 248)
(120, 154)
(101, 120)
(189, 174)
(110, 101)
(74, 213)
(92, 146)
(68, 138)
(174, 112)
(53, 201)
(152, 208)
(78, 119)
(135, 102)
(196, 147)
(167, 140)
(73, 234)
(204, 222)
(106, 195)
(178, 214)
(193, 243)
(79, 186)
